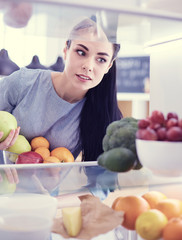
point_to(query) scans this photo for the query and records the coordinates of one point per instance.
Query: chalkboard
(131, 73)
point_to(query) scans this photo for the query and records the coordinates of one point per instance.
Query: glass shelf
(68, 178)
(54, 17)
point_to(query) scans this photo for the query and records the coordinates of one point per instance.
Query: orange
(55, 170)
(132, 206)
(51, 159)
(43, 151)
(39, 142)
(63, 154)
(116, 204)
(170, 207)
(173, 229)
(153, 197)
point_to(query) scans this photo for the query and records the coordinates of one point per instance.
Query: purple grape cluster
(160, 128)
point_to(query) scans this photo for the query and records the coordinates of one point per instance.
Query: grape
(180, 123)
(174, 134)
(161, 133)
(155, 125)
(146, 134)
(172, 122)
(157, 117)
(172, 115)
(140, 133)
(143, 123)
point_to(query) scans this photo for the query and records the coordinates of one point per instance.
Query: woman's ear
(64, 52)
(110, 65)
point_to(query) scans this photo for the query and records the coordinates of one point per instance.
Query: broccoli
(122, 133)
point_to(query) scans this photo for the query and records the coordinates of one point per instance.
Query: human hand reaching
(10, 175)
(10, 140)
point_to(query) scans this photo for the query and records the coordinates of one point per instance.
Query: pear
(5, 186)
(21, 145)
(72, 220)
(7, 123)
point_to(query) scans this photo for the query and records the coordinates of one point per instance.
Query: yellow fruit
(63, 154)
(72, 220)
(150, 224)
(153, 197)
(39, 142)
(170, 207)
(51, 159)
(43, 151)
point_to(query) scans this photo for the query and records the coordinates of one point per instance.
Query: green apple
(21, 145)
(7, 123)
(5, 186)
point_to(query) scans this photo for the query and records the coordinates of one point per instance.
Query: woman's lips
(83, 77)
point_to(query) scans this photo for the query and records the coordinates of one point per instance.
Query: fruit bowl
(163, 158)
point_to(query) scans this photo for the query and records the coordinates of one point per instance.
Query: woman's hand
(11, 175)
(10, 140)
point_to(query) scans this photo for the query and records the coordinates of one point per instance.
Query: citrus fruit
(63, 154)
(51, 159)
(153, 197)
(132, 206)
(173, 229)
(150, 224)
(170, 207)
(39, 142)
(43, 151)
(116, 204)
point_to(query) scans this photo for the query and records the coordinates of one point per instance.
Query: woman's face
(86, 62)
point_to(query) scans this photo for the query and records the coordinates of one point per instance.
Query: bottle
(35, 63)
(7, 66)
(58, 66)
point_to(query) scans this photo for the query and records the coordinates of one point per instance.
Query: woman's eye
(81, 53)
(102, 60)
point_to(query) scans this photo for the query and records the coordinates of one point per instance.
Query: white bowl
(39, 204)
(161, 157)
(18, 226)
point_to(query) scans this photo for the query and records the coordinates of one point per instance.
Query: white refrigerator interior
(166, 75)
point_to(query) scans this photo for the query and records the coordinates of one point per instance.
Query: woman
(70, 108)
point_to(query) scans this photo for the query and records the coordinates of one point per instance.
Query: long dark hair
(100, 109)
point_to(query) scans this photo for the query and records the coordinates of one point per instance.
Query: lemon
(150, 224)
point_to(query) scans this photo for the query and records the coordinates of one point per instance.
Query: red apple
(29, 158)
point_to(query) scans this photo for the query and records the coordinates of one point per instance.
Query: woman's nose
(88, 65)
